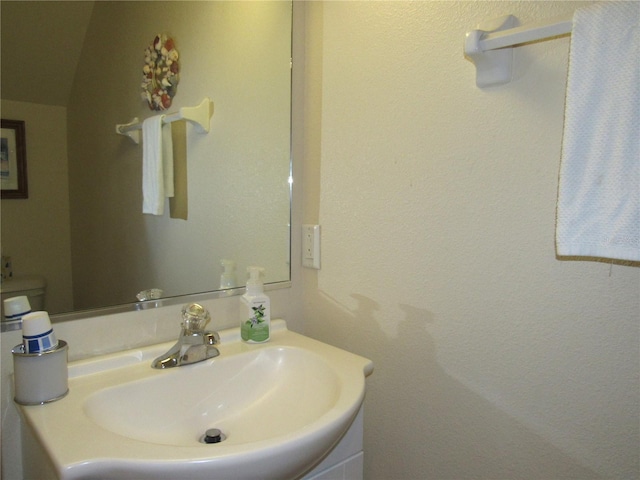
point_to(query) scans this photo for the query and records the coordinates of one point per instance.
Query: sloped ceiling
(41, 43)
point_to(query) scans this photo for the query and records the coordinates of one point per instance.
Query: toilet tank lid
(23, 283)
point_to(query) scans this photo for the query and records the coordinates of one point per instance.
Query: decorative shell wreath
(160, 74)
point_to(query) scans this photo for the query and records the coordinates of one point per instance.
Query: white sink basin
(281, 407)
(255, 396)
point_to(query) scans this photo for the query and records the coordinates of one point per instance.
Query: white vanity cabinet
(346, 460)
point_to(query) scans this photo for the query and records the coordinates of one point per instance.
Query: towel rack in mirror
(199, 115)
(489, 46)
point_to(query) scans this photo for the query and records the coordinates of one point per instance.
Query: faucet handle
(194, 318)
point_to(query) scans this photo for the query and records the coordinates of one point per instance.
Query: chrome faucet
(194, 343)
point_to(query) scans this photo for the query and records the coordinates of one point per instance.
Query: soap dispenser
(228, 277)
(255, 316)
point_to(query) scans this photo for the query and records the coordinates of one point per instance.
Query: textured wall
(493, 359)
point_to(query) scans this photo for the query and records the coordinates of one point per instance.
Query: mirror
(72, 71)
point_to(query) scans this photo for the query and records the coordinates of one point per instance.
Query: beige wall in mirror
(82, 227)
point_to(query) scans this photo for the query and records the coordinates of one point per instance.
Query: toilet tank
(33, 286)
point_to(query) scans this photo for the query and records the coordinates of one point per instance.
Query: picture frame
(13, 160)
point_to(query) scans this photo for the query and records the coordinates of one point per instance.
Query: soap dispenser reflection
(228, 277)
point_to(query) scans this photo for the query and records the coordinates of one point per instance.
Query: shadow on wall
(421, 423)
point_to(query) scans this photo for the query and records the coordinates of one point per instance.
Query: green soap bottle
(255, 316)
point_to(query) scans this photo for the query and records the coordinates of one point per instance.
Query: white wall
(493, 358)
(35, 230)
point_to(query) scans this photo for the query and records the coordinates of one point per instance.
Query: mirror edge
(163, 302)
(297, 29)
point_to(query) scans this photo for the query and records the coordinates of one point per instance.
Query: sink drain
(213, 435)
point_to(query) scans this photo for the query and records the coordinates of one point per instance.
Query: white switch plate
(311, 246)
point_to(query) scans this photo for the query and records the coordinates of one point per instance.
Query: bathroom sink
(251, 397)
(281, 406)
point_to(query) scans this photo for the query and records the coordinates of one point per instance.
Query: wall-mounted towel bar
(199, 115)
(489, 45)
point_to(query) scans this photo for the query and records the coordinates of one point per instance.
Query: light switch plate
(311, 246)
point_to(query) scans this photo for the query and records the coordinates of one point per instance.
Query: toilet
(33, 286)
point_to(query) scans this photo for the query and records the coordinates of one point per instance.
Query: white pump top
(254, 284)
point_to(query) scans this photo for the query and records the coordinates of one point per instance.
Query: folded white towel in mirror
(599, 190)
(157, 164)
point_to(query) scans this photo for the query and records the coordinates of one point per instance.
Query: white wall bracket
(199, 116)
(493, 67)
(133, 133)
(489, 46)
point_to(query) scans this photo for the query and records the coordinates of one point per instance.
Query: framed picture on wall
(13, 160)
